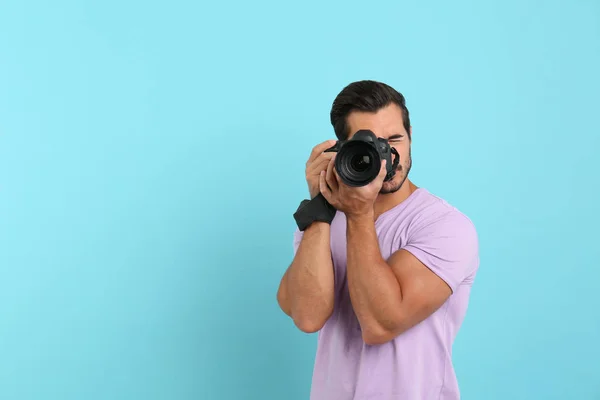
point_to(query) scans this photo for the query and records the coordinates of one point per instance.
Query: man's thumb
(383, 170)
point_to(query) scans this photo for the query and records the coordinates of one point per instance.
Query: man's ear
(410, 132)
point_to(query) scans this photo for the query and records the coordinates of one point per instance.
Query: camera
(359, 158)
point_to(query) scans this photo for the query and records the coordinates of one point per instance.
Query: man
(386, 281)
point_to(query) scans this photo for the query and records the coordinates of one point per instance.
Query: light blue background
(152, 154)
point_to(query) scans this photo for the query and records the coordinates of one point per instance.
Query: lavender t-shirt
(417, 364)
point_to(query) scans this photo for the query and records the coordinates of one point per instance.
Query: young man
(386, 279)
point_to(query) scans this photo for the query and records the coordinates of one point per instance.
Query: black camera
(359, 158)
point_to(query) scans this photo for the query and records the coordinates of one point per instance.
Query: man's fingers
(325, 191)
(383, 169)
(319, 164)
(318, 149)
(329, 176)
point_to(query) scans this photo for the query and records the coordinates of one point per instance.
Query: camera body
(359, 158)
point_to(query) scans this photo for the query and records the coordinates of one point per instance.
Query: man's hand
(352, 201)
(317, 162)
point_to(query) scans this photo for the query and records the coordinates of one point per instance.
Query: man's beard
(400, 172)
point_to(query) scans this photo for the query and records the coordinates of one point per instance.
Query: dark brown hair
(366, 95)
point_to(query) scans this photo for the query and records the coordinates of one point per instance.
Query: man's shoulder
(432, 212)
(444, 238)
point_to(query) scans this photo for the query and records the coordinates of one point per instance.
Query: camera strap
(396, 159)
(315, 210)
(394, 163)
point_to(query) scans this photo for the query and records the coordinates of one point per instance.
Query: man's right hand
(316, 163)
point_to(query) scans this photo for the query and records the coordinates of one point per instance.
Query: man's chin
(393, 186)
(390, 187)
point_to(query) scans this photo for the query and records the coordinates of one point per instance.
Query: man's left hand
(352, 201)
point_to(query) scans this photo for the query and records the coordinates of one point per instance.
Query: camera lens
(357, 163)
(360, 162)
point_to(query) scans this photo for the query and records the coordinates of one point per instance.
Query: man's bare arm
(388, 297)
(306, 291)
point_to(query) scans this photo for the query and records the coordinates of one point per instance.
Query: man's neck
(388, 201)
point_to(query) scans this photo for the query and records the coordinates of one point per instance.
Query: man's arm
(306, 291)
(389, 297)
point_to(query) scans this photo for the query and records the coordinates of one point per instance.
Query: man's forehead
(385, 122)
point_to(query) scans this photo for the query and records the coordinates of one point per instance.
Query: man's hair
(368, 96)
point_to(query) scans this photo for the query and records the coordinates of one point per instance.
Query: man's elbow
(378, 334)
(311, 323)
(308, 326)
(377, 338)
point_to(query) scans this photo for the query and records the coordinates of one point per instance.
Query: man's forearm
(308, 284)
(374, 289)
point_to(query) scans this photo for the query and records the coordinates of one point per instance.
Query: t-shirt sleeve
(448, 246)
(297, 239)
